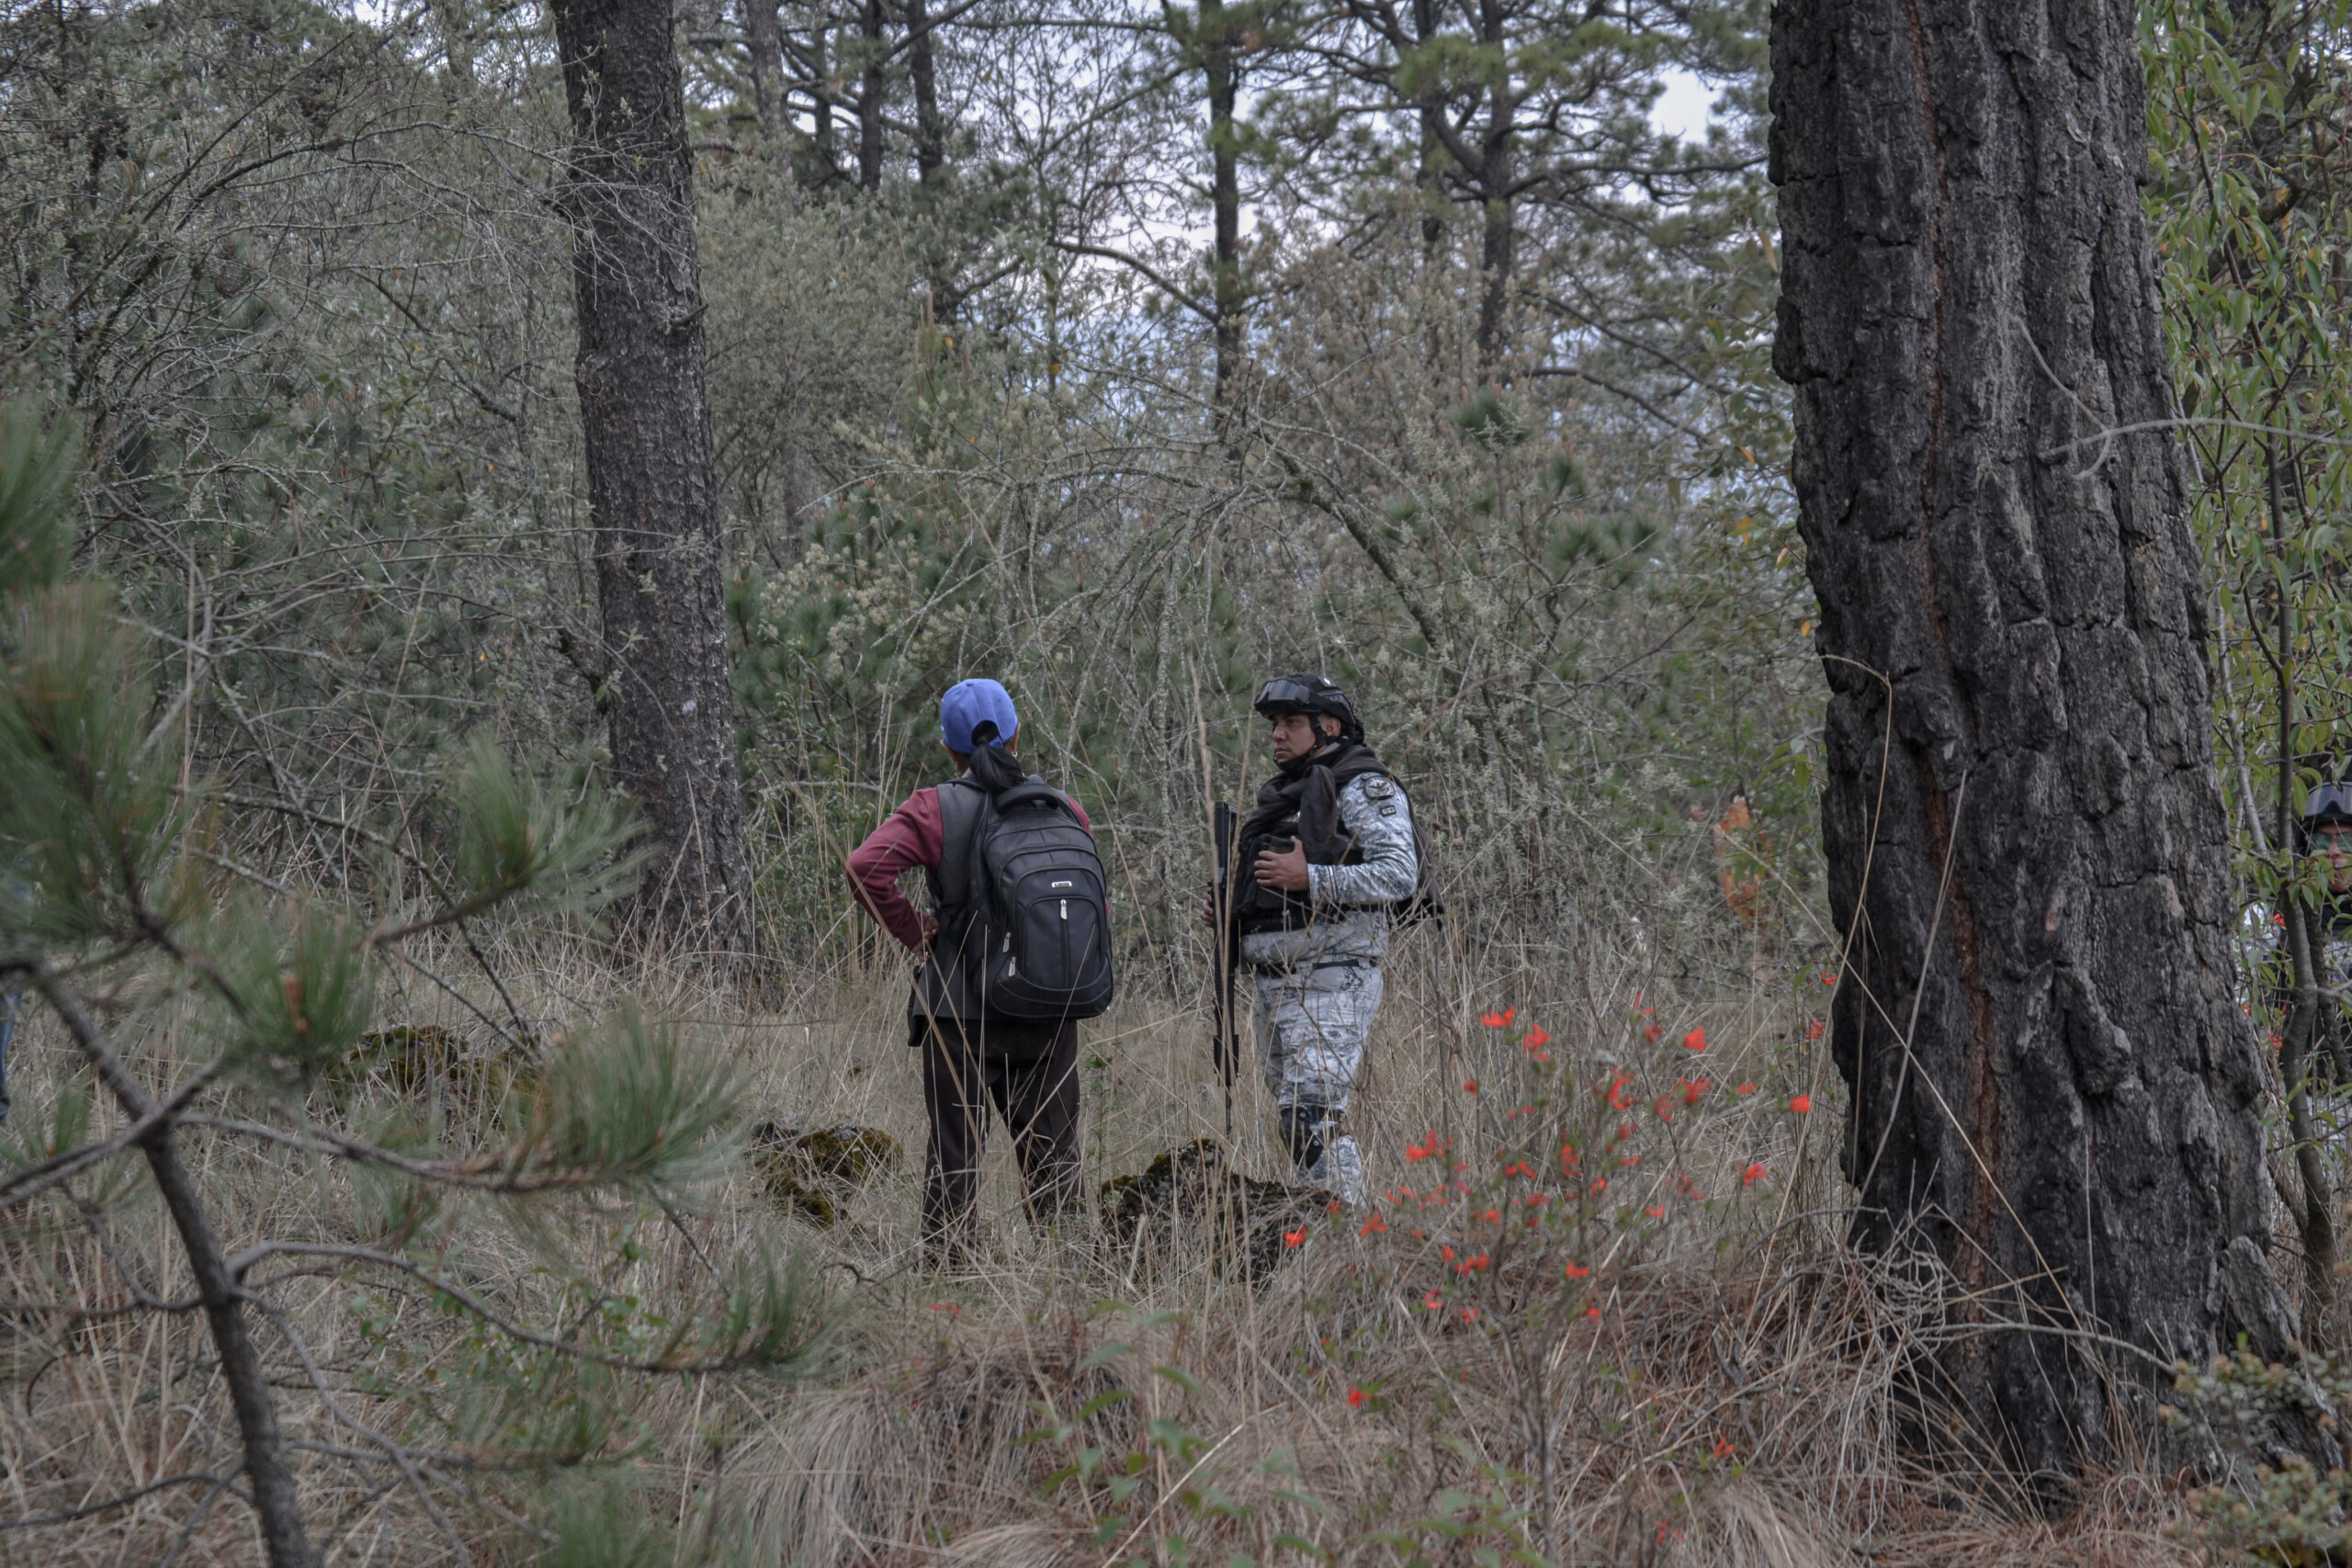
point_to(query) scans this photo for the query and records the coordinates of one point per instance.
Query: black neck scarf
(1308, 788)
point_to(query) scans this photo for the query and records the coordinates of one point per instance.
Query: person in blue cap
(1027, 1069)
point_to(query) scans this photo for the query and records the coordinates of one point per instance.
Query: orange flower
(1754, 1174)
(1293, 1238)
(1499, 1020)
(1469, 1086)
(1446, 1253)
(1827, 979)
(1652, 1032)
(1694, 1090)
(1724, 1448)
(1373, 1227)
(1802, 1104)
(1356, 1397)
(1433, 1301)
(1695, 1040)
(1577, 1271)
(1536, 1040)
(1592, 1312)
(1655, 1213)
(1747, 1088)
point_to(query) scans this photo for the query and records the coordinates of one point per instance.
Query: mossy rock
(414, 1060)
(1190, 1201)
(810, 1175)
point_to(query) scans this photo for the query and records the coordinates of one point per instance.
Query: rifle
(1225, 1049)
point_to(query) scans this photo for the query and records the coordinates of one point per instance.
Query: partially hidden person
(1330, 859)
(2326, 833)
(1013, 954)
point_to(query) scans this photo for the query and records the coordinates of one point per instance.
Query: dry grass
(1729, 1405)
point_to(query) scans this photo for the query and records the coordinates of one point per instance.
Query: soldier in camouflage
(1332, 856)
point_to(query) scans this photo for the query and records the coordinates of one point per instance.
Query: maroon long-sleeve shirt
(911, 836)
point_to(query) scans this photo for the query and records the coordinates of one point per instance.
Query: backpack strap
(961, 803)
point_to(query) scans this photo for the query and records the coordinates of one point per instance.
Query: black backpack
(1023, 902)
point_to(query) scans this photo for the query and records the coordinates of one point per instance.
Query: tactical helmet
(2330, 805)
(1309, 695)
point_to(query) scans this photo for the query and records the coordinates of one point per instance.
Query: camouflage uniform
(1319, 986)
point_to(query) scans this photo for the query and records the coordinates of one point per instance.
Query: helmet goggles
(1290, 694)
(1309, 695)
(2330, 805)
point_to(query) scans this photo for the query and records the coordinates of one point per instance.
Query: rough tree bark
(764, 41)
(645, 416)
(2028, 855)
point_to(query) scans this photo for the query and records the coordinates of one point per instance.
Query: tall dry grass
(1729, 1401)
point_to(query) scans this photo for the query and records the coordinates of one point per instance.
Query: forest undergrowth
(1596, 1312)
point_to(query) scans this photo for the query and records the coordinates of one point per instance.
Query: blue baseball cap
(971, 704)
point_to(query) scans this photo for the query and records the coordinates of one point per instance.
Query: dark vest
(1304, 806)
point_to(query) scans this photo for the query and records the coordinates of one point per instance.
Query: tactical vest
(1314, 822)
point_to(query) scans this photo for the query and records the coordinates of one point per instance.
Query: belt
(1280, 967)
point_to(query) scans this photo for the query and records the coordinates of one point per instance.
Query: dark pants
(1030, 1072)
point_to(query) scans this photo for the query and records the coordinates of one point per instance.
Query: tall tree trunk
(1430, 175)
(646, 422)
(922, 71)
(1216, 36)
(457, 37)
(2028, 855)
(764, 39)
(870, 99)
(1494, 178)
(825, 164)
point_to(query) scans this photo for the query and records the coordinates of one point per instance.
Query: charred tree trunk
(2028, 853)
(646, 422)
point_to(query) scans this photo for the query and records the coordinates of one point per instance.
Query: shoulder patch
(1378, 786)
